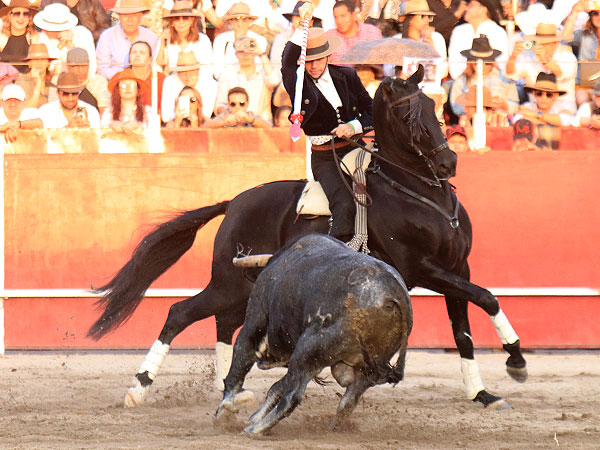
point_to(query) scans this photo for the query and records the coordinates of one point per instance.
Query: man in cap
(112, 51)
(545, 53)
(481, 17)
(457, 138)
(259, 81)
(187, 73)
(68, 110)
(95, 91)
(349, 29)
(60, 33)
(334, 102)
(13, 114)
(239, 18)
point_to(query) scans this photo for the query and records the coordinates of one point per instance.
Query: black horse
(416, 224)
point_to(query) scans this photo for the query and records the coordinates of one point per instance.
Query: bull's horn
(252, 261)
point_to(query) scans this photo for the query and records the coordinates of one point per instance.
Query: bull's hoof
(491, 401)
(135, 395)
(517, 373)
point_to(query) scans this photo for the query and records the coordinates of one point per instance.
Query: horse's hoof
(499, 405)
(135, 395)
(518, 373)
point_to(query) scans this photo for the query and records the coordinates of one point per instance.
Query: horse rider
(335, 105)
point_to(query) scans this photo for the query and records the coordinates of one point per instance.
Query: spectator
(523, 136)
(114, 43)
(90, 13)
(37, 81)
(282, 38)
(61, 33)
(457, 139)
(238, 17)
(207, 9)
(588, 114)
(322, 12)
(68, 110)
(188, 112)
(370, 76)
(350, 29)
(505, 98)
(468, 102)
(17, 32)
(187, 73)
(481, 17)
(181, 33)
(95, 91)
(281, 118)
(237, 114)
(13, 114)
(140, 58)
(447, 15)
(127, 113)
(547, 108)
(383, 14)
(259, 81)
(548, 55)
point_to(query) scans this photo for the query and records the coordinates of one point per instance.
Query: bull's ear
(417, 77)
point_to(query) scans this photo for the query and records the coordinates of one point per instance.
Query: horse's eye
(441, 124)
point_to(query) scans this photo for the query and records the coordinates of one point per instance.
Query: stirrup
(359, 243)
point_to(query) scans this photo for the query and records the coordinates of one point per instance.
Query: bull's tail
(157, 251)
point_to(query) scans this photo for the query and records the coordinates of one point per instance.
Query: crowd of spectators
(72, 63)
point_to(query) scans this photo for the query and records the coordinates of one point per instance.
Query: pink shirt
(365, 32)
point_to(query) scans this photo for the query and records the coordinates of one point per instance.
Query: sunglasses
(548, 94)
(424, 17)
(181, 18)
(594, 13)
(240, 19)
(20, 13)
(234, 104)
(69, 94)
(128, 83)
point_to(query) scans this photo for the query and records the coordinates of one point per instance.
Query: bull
(319, 304)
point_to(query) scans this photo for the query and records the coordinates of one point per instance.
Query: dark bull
(319, 304)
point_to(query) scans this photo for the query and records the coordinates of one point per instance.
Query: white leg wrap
(471, 377)
(224, 354)
(154, 359)
(504, 329)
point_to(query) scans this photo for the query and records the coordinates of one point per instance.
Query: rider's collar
(325, 75)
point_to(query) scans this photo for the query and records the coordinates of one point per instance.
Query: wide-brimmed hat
(17, 4)
(296, 12)
(320, 44)
(545, 82)
(37, 51)
(481, 49)
(239, 10)
(129, 7)
(544, 33)
(67, 81)
(128, 74)
(469, 98)
(55, 17)
(186, 61)
(376, 68)
(415, 7)
(182, 8)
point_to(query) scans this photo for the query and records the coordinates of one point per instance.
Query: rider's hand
(306, 10)
(344, 130)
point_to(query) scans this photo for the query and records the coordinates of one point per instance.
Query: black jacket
(319, 117)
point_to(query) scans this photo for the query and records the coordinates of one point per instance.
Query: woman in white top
(127, 113)
(181, 35)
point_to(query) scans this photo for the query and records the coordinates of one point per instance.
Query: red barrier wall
(72, 221)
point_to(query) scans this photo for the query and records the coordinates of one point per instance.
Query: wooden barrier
(72, 220)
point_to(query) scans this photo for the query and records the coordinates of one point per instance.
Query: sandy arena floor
(74, 400)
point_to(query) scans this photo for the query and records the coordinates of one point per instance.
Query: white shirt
(202, 50)
(559, 107)
(172, 86)
(26, 114)
(224, 54)
(53, 116)
(462, 39)
(82, 37)
(259, 87)
(584, 111)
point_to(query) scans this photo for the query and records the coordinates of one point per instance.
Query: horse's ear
(386, 90)
(417, 77)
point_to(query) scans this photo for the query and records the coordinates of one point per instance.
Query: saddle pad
(313, 200)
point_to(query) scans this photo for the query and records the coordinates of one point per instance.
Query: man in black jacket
(334, 104)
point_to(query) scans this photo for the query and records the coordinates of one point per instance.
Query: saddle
(313, 201)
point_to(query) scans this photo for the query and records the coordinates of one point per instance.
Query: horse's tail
(157, 251)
